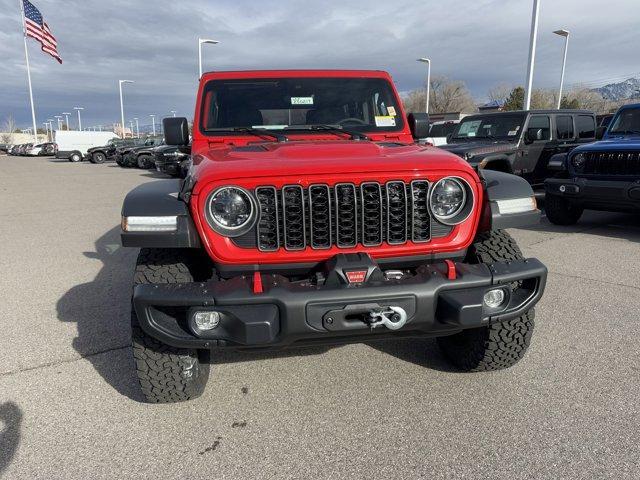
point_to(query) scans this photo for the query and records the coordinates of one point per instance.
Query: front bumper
(609, 195)
(285, 314)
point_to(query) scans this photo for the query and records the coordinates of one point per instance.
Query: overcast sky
(482, 42)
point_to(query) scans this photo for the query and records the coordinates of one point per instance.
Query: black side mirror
(419, 125)
(526, 138)
(600, 131)
(176, 131)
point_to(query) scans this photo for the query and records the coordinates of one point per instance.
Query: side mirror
(527, 138)
(419, 125)
(176, 131)
(600, 131)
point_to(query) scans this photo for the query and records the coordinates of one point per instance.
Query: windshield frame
(364, 130)
(483, 118)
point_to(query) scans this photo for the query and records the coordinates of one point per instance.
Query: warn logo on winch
(356, 276)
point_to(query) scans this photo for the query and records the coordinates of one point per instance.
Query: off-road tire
(496, 346)
(98, 157)
(560, 211)
(167, 374)
(144, 162)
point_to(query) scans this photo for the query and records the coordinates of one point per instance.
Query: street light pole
(532, 53)
(137, 127)
(202, 41)
(79, 120)
(565, 34)
(66, 118)
(173, 112)
(153, 122)
(46, 127)
(59, 118)
(122, 106)
(428, 62)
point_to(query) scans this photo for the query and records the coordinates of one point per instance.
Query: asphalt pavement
(70, 406)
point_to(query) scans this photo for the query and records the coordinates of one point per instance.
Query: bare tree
(500, 93)
(446, 96)
(8, 128)
(588, 99)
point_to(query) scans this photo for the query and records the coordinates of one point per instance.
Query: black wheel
(167, 374)
(144, 162)
(75, 157)
(560, 211)
(98, 157)
(496, 346)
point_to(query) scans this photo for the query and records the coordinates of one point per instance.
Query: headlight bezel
(231, 231)
(466, 206)
(578, 161)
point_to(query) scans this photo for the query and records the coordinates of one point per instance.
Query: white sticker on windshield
(385, 121)
(301, 100)
(471, 134)
(392, 111)
(513, 132)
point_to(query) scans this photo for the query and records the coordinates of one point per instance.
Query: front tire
(75, 157)
(496, 346)
(166, 374)
(98, 157)
(144, 162)
(560, 211)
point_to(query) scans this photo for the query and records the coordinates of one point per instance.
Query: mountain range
(625, 90)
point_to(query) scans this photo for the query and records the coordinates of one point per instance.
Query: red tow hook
(451, 270)
(257, 283)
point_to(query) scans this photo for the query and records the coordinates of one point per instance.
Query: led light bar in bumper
(517, 205)
(150, 224)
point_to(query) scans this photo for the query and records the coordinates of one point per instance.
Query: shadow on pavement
(10, 422)
(420, 351)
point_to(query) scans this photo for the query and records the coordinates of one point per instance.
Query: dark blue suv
(604, 175)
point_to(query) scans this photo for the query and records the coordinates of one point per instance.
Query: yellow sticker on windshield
(392, 111)
(385, 121)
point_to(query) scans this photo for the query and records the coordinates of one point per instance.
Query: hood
(320, 158)
(613, 143)
(479, 147)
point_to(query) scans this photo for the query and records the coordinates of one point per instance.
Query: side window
(586, 126)
(539, 127)
(564, 127)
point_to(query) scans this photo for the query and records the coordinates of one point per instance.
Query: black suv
(521, 142)
(106, 152)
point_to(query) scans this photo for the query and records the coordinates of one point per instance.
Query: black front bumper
(609, 195)
(286, 313)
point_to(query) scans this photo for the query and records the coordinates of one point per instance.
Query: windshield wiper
(261, 132)
(330, 128)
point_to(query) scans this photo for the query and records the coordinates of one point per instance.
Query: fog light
(494, 298)
(207, 320)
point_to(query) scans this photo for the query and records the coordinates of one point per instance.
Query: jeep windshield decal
(489, 127)
(351, 106)
(627, 122)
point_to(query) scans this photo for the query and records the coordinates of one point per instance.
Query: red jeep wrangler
(310, 216)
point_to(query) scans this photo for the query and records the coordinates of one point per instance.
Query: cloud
(482, 42)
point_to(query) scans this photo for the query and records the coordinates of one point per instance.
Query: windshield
(490, 126)
(627, 122)
(442, 129)
(356, 104)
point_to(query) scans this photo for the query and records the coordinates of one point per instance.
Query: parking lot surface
(70, 406)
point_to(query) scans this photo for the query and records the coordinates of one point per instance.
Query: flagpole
(26, 56)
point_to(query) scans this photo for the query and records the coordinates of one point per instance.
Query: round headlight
(448, 199)
(578, 161)
(231, 211)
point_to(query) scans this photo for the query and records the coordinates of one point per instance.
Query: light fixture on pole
(173, 112)
(79, 119)
(428, 62)
(565, 34)
(137, 127)
(120, 82)
(59, 118)
(153, 123)
(532, 53)
(66, 118)
(202, 41)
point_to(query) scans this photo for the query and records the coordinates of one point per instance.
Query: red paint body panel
(319, 158)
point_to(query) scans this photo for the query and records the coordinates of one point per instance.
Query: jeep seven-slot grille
(612, 163)
(345, 215)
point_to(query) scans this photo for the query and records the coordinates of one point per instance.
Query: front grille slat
(345, 215)
(611, 163)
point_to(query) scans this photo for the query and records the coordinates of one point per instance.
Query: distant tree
(587, 99)
(500, 93)
(445, 96)
(542, 99)
(573, 103)
(515, 101)
(8, 129)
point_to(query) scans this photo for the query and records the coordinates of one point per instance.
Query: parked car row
(30, 150)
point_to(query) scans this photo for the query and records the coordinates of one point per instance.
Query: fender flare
(505, 186)
(159, 198)
(496, 158)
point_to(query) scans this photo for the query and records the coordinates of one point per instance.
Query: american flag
(36, 27)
